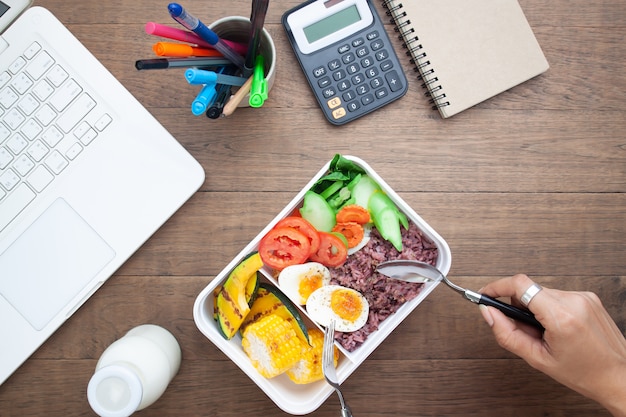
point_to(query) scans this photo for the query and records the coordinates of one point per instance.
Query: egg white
(291, 278)
(319, 309)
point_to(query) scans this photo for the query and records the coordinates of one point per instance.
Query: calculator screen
(332, 24)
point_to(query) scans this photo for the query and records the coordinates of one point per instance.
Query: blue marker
(204, 99)
(199, 76)
(195, 25)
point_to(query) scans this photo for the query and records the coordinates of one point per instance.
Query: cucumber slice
(316, 210)
(363, 190)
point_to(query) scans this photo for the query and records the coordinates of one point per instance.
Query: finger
(515, 287)
(508, 287)
(519, 340)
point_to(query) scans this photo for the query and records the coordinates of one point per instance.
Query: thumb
(508, 334)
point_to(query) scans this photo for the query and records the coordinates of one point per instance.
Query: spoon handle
(510, 311)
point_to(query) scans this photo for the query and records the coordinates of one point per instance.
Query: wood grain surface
(532, 181)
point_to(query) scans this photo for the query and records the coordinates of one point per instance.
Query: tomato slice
(332, 251)
(303, 226)
(284, 246)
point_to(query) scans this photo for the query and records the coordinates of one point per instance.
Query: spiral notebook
(467, 51)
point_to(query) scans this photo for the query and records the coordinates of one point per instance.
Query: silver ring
(530, 294)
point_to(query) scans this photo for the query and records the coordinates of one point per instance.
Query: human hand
(582, 347)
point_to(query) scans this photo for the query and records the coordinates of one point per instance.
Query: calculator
(346, 55)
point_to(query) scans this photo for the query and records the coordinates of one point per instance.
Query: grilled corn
(272, 345)
(309, 368)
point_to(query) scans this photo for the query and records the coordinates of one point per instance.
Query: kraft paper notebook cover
(467, 51)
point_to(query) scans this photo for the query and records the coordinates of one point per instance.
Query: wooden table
(533, 181)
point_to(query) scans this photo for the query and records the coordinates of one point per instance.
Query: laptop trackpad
(50, 263)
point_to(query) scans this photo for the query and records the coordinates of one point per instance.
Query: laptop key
(13, 205)
(40, 178)
(75, 113)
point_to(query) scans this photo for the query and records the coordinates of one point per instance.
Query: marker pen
(194, 24)
(204, 98)
(258, 89)
(164, 63)
(182, 50)
(257, 19)
(199, 76)
(223, 93)
(169, 32)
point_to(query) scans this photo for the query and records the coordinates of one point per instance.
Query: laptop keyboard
(44, 126)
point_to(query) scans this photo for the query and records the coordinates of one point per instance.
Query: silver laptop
(87, 175)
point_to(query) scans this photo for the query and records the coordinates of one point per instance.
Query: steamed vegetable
(353, 213)
(387, 218)
(232, 303)
(316, 210)
(352, 231)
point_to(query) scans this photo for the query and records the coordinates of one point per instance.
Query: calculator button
(367, 62)
(371, 72)
(339, 75)
(372, 35)
(386, 65)
(348, 58)
(382, 93)
(382, 55)
(353, 68)
(358, 42)
(393, 80)
(367, 99)
(358, 79)
(376, 45)
(361, 52)
(334, 64)
(344, 85)
(377, 82)
(323, 82)
(362, 89)
(349, 95)
(319, 71)
(339, 113)
(353, 106)
(343, 49)
(334, 102)
(329, 92)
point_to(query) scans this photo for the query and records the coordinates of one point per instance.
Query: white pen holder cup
(237, 29)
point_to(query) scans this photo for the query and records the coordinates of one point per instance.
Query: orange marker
(181, 50)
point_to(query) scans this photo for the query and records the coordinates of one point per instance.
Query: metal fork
(328, 366)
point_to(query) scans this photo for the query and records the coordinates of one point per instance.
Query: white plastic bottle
(134, 371)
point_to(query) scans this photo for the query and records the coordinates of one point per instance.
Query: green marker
(258, 90)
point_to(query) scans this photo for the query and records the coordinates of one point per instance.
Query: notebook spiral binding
(415, 52)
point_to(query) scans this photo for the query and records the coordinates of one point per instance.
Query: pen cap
(237, 29)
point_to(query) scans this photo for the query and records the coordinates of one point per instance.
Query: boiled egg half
(298, 281)
(347, 307)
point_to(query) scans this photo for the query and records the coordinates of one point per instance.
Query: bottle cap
(114, 391)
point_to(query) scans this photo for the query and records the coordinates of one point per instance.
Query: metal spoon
(421, 272)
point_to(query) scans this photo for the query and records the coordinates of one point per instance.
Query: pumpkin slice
(232, 300)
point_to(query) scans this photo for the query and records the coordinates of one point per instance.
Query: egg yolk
(309, 283)
(346, 304)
